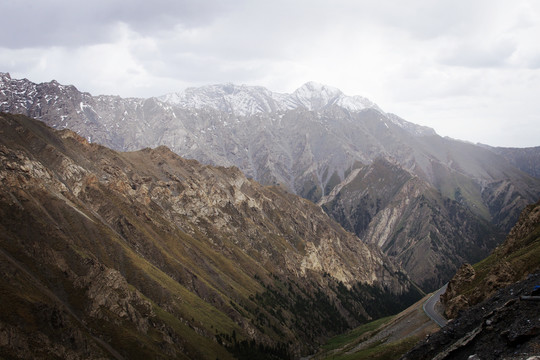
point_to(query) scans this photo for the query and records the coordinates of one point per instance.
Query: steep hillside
(311, 142)
(527, 159)
(146, 254)
(410, 221)
(517, 257)
(494, 304)
(504, 326)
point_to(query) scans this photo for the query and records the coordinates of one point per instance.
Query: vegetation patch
(353, 336)
(380, 350)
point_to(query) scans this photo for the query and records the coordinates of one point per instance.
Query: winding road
(429, 307)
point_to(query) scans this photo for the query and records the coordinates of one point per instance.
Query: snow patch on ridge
(243, 100)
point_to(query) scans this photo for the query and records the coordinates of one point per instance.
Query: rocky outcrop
(512, 261)
(140, 254)
(453, 301)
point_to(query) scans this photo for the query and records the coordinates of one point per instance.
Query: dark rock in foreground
(506, 326)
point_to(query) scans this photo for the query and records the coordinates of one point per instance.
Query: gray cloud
(478, 55)
(76, 23)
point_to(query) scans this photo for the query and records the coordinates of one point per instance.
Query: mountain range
(430, 203)
(144, 254)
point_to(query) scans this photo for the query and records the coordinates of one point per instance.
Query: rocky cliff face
(138, 254)
(517, 257)
(312, 143)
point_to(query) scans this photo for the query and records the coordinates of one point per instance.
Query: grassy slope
(30, 293)
(386, 338)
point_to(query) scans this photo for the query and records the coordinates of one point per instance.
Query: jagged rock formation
(512, 261)
(145, 254)
(314, 142)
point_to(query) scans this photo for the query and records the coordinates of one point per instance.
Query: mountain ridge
(247, 100)
(229, 98)
(311, 153)
(525, 159)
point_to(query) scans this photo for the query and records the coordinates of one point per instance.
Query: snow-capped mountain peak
(20, 96)
(314, 96)
(244, 100)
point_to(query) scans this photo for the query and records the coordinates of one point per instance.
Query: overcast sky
(469, 69)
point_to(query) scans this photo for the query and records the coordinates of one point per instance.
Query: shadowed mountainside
(410, 221)
(503, 326)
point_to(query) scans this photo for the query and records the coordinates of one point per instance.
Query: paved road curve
(429, 307)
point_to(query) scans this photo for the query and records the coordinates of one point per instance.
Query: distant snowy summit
(53, 101)
(243, 100)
